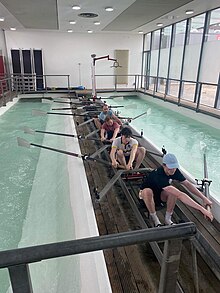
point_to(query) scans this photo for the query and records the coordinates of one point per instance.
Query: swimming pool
(40, 203)
(181, 135)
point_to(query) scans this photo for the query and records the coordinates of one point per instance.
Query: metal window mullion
(158, 61)
(169, 60)
(142, 63)
(186, 40)
(217, 96)
(204, 39)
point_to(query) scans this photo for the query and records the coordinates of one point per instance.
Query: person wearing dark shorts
(157, 189)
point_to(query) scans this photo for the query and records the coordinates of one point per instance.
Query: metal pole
(41, 252)
(20, 279)
(170, 266)
(195, 267)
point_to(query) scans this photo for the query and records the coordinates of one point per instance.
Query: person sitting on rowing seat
(109, 130)
(125, 151)
(105, 112)
(157, 189)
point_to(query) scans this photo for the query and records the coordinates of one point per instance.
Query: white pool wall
(94, 276)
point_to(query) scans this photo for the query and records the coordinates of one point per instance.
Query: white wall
(62, 52)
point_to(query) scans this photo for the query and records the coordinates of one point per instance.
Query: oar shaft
(69, 114)
(56, 150)
(139, 115)
(56, 133)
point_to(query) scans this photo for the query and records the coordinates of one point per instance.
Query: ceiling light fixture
(97, 22)
(76, 7)
(69, 31)
(90, 31)
(72, 22)
(2, 19)
(159, 24)
(109, 8)
(12, 28)
(141, 32)
(189, 12)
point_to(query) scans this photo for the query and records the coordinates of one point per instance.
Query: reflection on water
(179, 134)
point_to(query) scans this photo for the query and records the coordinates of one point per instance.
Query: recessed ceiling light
(90, 31)
(2, 19)
(189, 11)
(97, 22)
(159, 24)
(69, 31)
(12, 28)
(76, 7)
(109, 8)
(140, 32)
(72, 22)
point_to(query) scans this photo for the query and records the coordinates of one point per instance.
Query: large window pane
(177, 50)
(147, 42)
(210, 67)
(154, 52)
(193, 48)
(164, 51)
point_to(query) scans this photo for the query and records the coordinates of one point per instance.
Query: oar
(49, 101)
(206, 182)
(24, 143)
(73, 108)
(32, 131)
(43, 113)
(131, 119)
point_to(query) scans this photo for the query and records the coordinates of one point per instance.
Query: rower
(105, 112)
(125, 151)
(109, 130)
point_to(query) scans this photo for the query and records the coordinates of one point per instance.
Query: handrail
(46, 251)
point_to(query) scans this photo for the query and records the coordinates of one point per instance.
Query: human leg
(171, 201)
(97, 123)
(188, 201)
(140, 154)
(148, 198)
(121, 158)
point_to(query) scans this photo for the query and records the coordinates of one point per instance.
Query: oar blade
(47, 101)
(28, 130)
(23, 143)
(148, 112)
(132, 106)
(38, 113)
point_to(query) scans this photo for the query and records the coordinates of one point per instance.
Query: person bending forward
(125, 151)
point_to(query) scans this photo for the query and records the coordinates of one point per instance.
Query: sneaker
(169, 222)
(159, 225)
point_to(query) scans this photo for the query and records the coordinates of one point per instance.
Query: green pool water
(183, 136)
(35, 204)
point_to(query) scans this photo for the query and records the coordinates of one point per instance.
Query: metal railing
(17, 260)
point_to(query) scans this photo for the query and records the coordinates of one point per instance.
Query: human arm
(195, 191)
(116, 119)
(132, 157)
(112, 156)
(102, 134)
(116, 131)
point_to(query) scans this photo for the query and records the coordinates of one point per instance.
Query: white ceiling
(128, 16)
